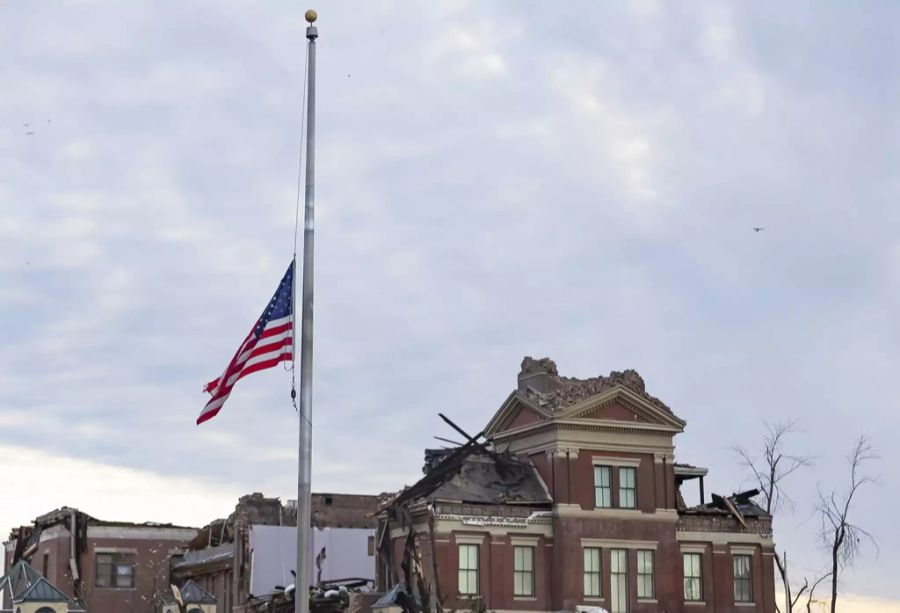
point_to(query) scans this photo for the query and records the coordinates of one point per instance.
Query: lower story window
(618, 580)
(743, 581)
(592, 573)
(115, 570)
(468, 570)
(646, 582)
(693, 577)
(523, 572)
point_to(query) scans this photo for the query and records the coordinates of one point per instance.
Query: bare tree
(841, 537)
(812, 590)
(770, 470)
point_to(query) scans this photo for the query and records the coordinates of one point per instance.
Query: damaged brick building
(574, 499)
(245, 560)
(107, 565)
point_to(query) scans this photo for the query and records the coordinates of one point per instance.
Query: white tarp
(273, 551)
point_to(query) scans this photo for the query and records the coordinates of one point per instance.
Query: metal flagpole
(304, 473)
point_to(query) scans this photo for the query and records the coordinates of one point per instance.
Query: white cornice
(723, 538)
(574, 510)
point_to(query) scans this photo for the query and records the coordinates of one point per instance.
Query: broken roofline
(64, 513)
(454, 465)
(540, 379)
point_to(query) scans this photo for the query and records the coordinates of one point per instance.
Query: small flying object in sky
(758, 229)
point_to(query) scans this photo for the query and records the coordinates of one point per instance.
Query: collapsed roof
(471, 474)
(541, 384)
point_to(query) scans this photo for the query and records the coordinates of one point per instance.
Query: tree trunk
(835, 549)
(782, 570)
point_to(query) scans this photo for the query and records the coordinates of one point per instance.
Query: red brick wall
(151, 575)
(568, 554)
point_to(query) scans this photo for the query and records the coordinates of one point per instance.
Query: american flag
(269, 343)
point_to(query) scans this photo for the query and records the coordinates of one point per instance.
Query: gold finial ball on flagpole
(311, 16)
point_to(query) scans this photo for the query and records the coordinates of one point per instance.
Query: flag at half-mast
(269, 343)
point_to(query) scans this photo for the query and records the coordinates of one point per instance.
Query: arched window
(43, 610)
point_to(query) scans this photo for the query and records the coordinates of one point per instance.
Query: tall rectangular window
(592, 583)
(602, 487)
(618, 581)
(468, 570)
(743, 579)
(693, 577)
(115, 570)
(523, 571)
(45, 566)
(628, 488)
(646, 578)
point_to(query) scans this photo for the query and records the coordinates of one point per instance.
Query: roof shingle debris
(740, 505)
(555, 393)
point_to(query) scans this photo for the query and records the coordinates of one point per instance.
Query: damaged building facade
(239, 564)
(245, 561)
(106, 565)
(574, 499)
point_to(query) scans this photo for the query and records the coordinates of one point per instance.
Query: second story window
(693, 577)
(115, 570)
(743, 580)
(602, 487)
(523, 571)
(468, 570)
(592, 583)
(646, 579)
(628, 488)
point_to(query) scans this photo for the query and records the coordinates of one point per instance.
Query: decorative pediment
(620, 404)
(616, 407)
(516, 412)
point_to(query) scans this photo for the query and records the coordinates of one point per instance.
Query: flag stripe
(269, 343)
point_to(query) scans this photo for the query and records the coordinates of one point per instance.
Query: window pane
(743, 583)
(468, 569)
(627, 488)
(104, 572)
(618, 580)
(646, 579)
(692, 577)
(523, 571)
(602, 489)
(592, 572)
(523, 558)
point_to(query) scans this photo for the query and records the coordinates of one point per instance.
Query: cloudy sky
(576, 180)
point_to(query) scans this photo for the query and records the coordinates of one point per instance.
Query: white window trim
(115, 550)
(742, 550)
(616, 544)
(532, 546)
(469, 539)
(523, 541)
(615, 462)
(693, 548)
